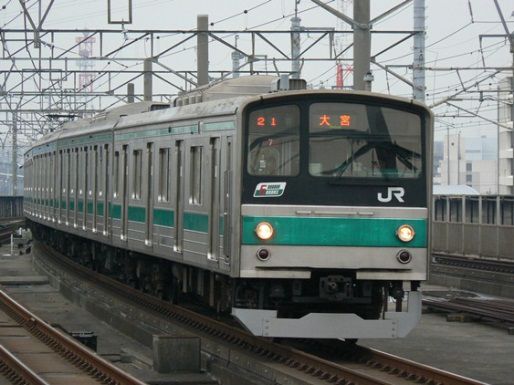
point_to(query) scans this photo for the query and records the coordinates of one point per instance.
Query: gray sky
(452, 40)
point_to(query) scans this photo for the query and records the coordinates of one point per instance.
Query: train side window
(164, 175)
(195, 180)
(138, 168)
(116, 171)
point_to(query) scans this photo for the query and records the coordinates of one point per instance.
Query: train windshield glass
(274, 141)
(363, 141)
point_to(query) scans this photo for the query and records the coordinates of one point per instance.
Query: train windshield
(363, 141)
(274, 141)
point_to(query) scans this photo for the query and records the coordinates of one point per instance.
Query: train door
(60, 187)
(106, 191)
(86, 187)
(39, 184)
(124, 193)
(67, 186)
(164, 221)
(44, 181)
(55, 185)
(75, 187)
(80, 201)
(214, 202)
(45, 186)
(93, 189)
(49, 167)
(178, 206)
(195, 225)
(226, 202)
(149, 194)
(97, 191)
(118, 194)
(42, 212)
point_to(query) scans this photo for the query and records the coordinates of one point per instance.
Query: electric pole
(295, 43)
(14, 169)
(361, 45)
(418, 68)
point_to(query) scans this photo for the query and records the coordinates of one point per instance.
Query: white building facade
(469, 161)
(505, 138)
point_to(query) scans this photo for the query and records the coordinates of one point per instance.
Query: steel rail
(66, 346)
(8, 228)
(415, 371)
(316, 366)
(495, 311)
(474, 263)
(16, 371)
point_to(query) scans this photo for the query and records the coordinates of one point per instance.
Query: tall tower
(85, 84)
(343, 70)
(296, 43)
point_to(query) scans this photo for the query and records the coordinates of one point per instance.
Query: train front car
(335, 195)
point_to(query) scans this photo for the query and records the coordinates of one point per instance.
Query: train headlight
(405, 233)
(264, 231)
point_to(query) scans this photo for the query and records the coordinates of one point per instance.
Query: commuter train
(302, 212)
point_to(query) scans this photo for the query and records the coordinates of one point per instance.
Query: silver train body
(274, 205)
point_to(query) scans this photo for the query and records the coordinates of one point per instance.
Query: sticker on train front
(269, 190)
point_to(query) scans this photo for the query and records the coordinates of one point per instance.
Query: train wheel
(172, 291)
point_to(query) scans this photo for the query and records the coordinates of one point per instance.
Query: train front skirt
(332, 325)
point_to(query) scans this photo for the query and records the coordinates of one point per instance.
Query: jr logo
(397, 192)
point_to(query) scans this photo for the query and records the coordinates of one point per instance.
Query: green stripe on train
(136, 214)
(100, 208)
(359, 232)
(163, 217)
(196, 222)
(114, 211)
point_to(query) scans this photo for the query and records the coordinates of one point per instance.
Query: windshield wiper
(401, 153)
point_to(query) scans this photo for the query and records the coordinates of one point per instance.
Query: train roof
(218, 99)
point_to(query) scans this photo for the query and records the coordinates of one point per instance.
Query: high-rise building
(468, 161)
(505, 138)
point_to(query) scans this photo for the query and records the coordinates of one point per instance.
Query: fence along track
(65, 346)
(307, 363)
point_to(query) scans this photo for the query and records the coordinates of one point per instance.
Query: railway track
(15, 371)
(474, 263)
(91, 368)
(362, 366)
(7, 227)
(484, 308)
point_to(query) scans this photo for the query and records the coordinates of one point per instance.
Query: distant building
(467, 161)
(6, 174)
(505, 138)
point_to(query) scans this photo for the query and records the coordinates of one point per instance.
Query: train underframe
(329, 292)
